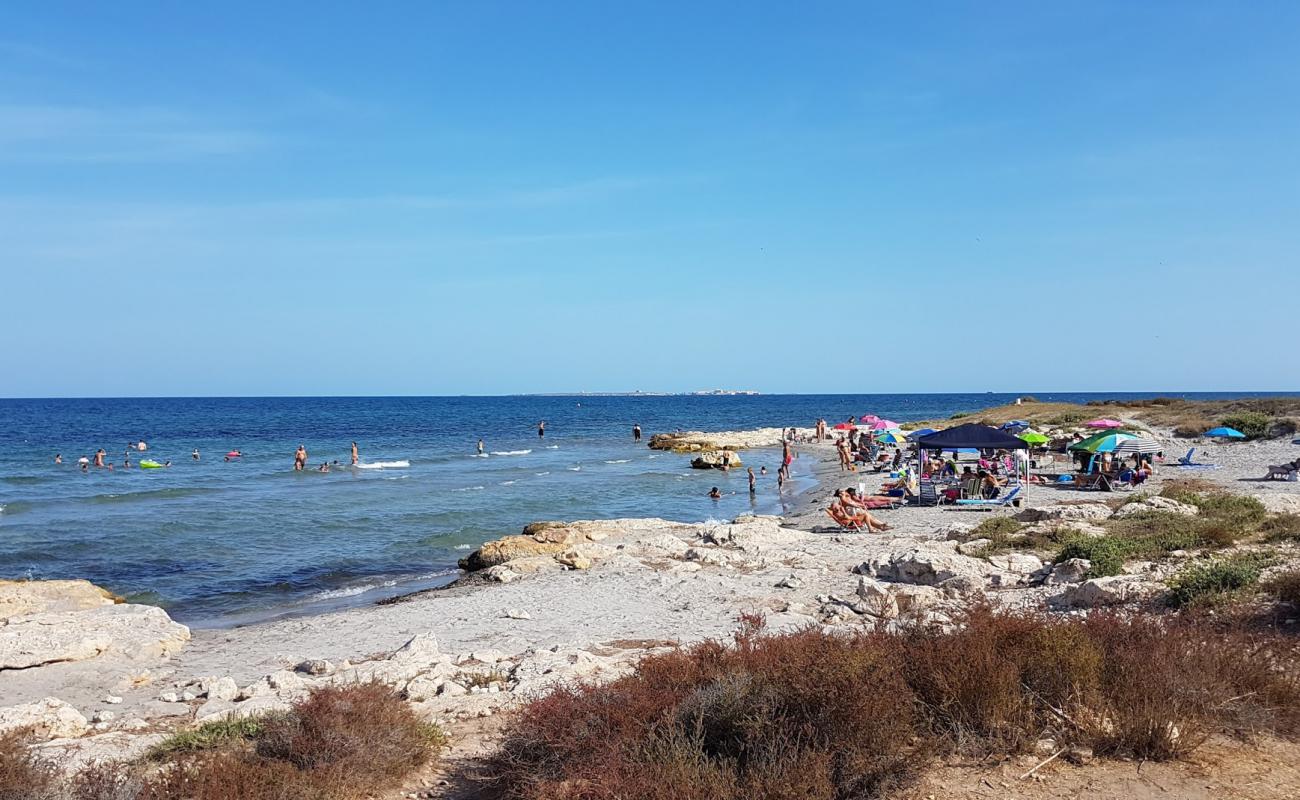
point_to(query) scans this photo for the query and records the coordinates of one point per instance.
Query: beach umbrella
(1013, 424)
(869, 418)
(1102, 442)
(920, 433)
(844, 426)
(891, 437)
(883, 425)
(1138, 445)
(1225, 433)
(1104, 423)
(1033, 437)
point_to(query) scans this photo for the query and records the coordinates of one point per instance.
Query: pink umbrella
(869, 418)
(883, 425)
(1105, 423)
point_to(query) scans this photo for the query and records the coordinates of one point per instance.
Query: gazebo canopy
(972, 434)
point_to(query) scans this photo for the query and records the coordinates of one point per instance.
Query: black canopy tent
(972, 434)
(981, 437)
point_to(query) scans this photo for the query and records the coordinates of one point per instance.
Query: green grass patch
(1210, 582)
(209, 736)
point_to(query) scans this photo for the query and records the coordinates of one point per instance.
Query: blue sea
(221, 543)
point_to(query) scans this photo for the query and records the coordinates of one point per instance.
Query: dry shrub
(801, 715)
(816, 716)
(338, 742)
(22, 776)
(1285, 587)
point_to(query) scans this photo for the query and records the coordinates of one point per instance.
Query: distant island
(639, 393)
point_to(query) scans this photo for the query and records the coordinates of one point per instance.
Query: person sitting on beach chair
(852, 498)
(853, 517)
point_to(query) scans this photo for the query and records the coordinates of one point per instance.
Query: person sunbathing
(854, 504)
(852, 516)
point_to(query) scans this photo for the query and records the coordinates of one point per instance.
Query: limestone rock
(875, 599)
(716, 459)
(790, 582)
(315, 666)
(1279, 503)
(1072, 570)
(926, 567)
(223, 689)
(574, 560)
(665, 542)
(1099, 592)
(1017, 563)
(134, 631)
(1157, 504)
(19, 598)
(48, 718)
(973, 547)
(1083, 512)
(75, 755)
(421, 648)
(501, 574)
(517, 613)
(509, 548)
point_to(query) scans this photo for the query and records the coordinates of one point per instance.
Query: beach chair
(1186, 462)
(844, 525)
(1007, 499)
(929, 495)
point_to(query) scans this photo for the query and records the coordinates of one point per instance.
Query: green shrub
(1206, 582)
(1285, 587)
(1283, 527)
(208, 736)
(1107, 553)
(1252, 423)
(960, 414)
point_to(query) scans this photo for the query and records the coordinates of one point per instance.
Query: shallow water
(220, 542)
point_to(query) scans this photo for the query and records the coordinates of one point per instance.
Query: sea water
(221, 542)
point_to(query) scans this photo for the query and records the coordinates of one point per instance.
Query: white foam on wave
(511, 452)
(396, 477)
(463, 547)
(619, 461)
(351, 591)
(540, 474)
(552, 447)
(479, 455)
(401, 464)
(575, 469)
(507, 483)
(469, 488)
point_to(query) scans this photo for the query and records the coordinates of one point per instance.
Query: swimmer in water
(300, 459)
(195, 454)
(715, 494)
(636, 433)
(541, 429)
(99, 457)
(325, 467)
(753, 482)
(58, 458)
(480, 447)
(762, 470)
(355, 457)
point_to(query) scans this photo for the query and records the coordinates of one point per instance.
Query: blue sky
(482, 198)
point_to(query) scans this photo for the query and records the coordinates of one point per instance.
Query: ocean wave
(619, 461)
(396, 477)
(540, 474)
(351, 591)
(463, 547)
(469, 488)
(479, 455)
(552, 447)
(574, 469)
(511, 452)
(151, 494)
(508, 483)
(400, 464)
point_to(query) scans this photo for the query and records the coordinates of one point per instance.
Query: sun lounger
(1284, 472)
(1005, 501)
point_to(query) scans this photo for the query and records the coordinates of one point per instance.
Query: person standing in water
(636, 433)
(541, 429)
(480, 447)
(99, 457)
(58, 458)
(300, 459)
(195, 454)
(753, 482)
(355, 457)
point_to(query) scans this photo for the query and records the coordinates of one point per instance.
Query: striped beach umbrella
(1102, 442)
(1139, 445)
(891, 437)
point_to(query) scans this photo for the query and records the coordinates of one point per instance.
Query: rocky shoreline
(96, 679)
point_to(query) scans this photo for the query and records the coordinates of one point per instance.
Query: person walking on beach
(480, 447)
(541, 429)
(753, 482)
(300, 459)
(636, 433)
(355, 457)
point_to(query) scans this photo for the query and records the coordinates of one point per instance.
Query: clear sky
(482, 198)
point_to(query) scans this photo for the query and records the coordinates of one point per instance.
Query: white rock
(103, 716)
(925, 566)
(284, 680)
(223, 689)
(1157, 504)
(1072, 570)
(1279, 503)
(973, 547)
(20, 598)
(1104, 592)
(170, 697)
(112, 699)
(48, 718)
(1084, 512)
(517, 613)
(422, 648)
(790, 582)
(315, 666)
(1017, 563)
(500, 573)
(451, 689)
(134, 631)
(875, 599)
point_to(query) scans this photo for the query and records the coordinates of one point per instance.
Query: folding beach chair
(929, 495)
(1186, 462)
(1005, 501)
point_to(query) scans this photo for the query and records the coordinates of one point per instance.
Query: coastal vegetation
(337, 743)
(815, 715)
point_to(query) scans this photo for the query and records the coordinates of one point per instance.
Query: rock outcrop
(49, 718)
(1099, 592)
(716, 459)
(18, 598)
(928, 567)
(1156, 505)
